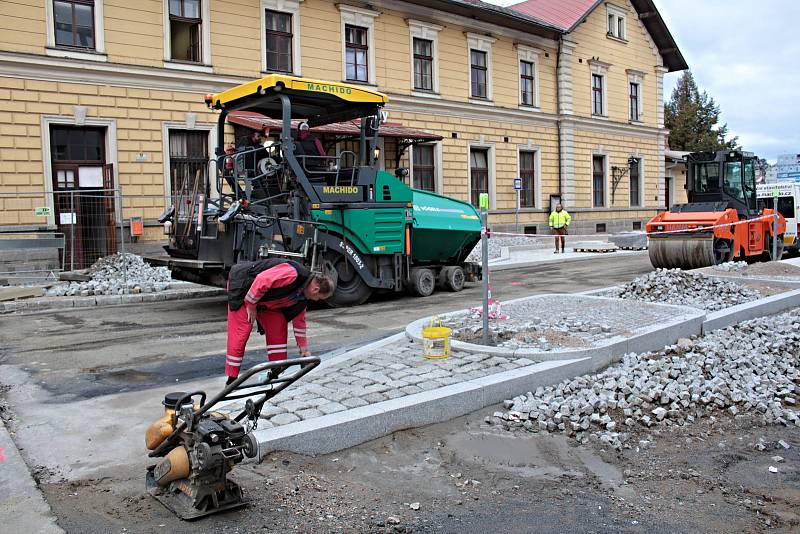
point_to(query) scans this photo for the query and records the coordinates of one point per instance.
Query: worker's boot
(230, 380)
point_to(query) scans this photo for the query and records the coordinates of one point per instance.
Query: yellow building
(108, 94)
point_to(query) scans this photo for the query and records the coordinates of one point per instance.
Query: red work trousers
(239, 328)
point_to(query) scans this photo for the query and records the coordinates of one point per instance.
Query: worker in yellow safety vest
(559, 223)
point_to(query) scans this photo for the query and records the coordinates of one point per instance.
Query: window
(527, 172)
(424, 170)
(185, 26)
(616, 22)
(356, 53)
(479, 174)
(423, 64)
(597, 94)
(635, 183)
(634, 96)
(478, 73)
(74, 23)
(526, 83)
(479, 56)
(598, 181)
(278, 41)
(733, 180)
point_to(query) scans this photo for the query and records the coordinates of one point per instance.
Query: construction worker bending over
(559, 224)
(272, 292)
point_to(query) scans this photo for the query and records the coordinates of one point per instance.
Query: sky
(744, 53)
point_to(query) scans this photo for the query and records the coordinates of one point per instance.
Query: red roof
(561, 13)
(257, 121)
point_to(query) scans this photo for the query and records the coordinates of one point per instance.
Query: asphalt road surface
(89, 352)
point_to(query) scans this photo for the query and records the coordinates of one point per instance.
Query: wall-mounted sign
(518, 184)
(43, 211)
(141, 156)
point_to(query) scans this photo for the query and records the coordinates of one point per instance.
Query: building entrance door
(83, 191)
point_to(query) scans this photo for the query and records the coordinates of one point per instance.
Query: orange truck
(722, 220)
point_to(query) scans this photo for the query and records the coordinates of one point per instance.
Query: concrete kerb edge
(49, 303)
(346, 429)
(750, 310)
(23, 507)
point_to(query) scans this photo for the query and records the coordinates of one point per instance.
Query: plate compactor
(198, 447)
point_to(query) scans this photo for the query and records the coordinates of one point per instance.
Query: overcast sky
(745, 55)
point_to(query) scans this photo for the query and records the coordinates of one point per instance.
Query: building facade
(108, 94)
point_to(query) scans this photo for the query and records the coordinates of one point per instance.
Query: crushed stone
(749, 371)
(117, 274)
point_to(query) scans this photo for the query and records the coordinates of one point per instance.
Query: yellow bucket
(436, 341)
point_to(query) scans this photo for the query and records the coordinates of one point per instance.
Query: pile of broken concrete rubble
(750, 371)
(674, 286)
(116, 275)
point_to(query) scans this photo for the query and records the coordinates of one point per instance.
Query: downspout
(558, 112)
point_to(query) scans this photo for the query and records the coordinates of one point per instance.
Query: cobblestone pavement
(399, 369)
(388, 372)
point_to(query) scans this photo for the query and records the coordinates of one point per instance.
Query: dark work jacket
(244, 273)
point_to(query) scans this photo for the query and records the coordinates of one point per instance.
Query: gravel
(749, 372)
(674, 286)
(115, 275)
(555, 330)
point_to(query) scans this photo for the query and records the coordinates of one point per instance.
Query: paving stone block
(410, 390)
(332, 407)
(372, 398)
(309, 413)
(284, 419)
(354, 402)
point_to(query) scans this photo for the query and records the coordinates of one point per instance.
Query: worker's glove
(261, 330)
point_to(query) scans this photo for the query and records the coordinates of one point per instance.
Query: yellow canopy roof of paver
(311, 99)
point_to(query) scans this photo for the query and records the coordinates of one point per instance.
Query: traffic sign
(483, 201)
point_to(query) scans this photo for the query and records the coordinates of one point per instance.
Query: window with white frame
(75, 29)
(616, 22)
(528, 76)
(480, 61)
(424, 52)
(358, 44)
(280, 36)
(187, 35)
(599, 94)
(635, 87)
